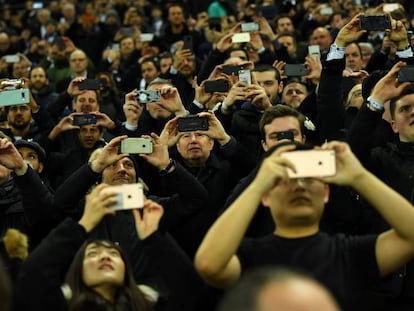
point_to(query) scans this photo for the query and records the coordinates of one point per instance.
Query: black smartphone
(89, 84)
(214, 23)
(192, 123)
(295, 70)
(84, 119)
(188, 43)
(285, 135)
(406, 74)
(230, 69)
(375, 22)
(220, 85)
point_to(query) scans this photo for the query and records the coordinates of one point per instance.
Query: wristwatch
(168, 169)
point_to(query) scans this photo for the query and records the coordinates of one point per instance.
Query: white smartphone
(389, 7)
(311, 163)
(241, 37)
(147, 37)
(12, 58)
(129, 196)
(314, 51)
(245, 76)
(136, 145)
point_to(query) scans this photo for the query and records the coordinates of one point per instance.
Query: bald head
(295, 294)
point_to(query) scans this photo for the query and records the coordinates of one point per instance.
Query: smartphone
(147, 37)
(37, 5)
(295, 70)
(326, 11)
(248, 27)
(89, 84)
(129, 196)
(406, 74)
(127, 31)
(314, 51)
(214, 23)
(311, 163)
(230, 69)
(245, 76)
(289, 135)
(148, 96)
(192, 123)
(375, 22)
(219, 85)
(84, 119)
(135, 145)
(188, 43)
(241, 37)
(389, 7)
(14, 97)
(12, 58)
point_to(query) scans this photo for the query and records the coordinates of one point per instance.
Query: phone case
(84, 119)
(188, 43)
(136, 145)
(311, 163)
(216, 86)
(295, 70)
(241, 37)
(244, 76)
(375, 22)
(406, 74)
(129, 196)
(14, 97)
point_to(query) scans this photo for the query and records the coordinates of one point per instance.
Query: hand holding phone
(129, 196)
(134, 145)
(311, 163)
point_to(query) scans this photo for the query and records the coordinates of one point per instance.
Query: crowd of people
(219, 92)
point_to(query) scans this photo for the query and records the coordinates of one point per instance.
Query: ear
(280, 90)
(265, 200)
(40, 168)
(211, 144)
(264, 145)
(394, 126)
(327, 192)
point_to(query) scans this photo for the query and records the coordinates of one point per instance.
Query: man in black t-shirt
(346, 265)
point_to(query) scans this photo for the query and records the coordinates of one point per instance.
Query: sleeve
(43, 273)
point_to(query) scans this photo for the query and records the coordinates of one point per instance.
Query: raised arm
(394, 247)
(216, 259)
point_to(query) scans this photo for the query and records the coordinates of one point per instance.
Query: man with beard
(26, 121)
(39, 86)
(182, 72)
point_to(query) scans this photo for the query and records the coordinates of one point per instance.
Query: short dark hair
(393, 102)
(265, 67)
(280, 111)
(152, 60)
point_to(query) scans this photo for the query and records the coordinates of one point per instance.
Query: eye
(91, 254)
(128, 165)
(115, 253)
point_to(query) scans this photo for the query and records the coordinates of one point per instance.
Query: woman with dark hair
(98, 276)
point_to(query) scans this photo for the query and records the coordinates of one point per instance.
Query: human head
(195, 148)
(21, 69)
(33, 153)
(123, 171)
(277, 119)
(78, 62)
(157, 110)
(294, 93)
(277, 288)
(284, 23)
(188, 67)
(166, 61)
(86, 102)
(269, 78)
(288, 39)
(4, 42)
(402, 112)
(322, 37)
(366, 49)
(296, 204)
(238, 52)
(353, 57)
(38, 78)
(126, 46)
(150, 69)
(102, 263)
(175, 14)
(89, 135)
(19, 116)
(354, 98)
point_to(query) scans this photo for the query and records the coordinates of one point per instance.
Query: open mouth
(301, 200)
(106, 267)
